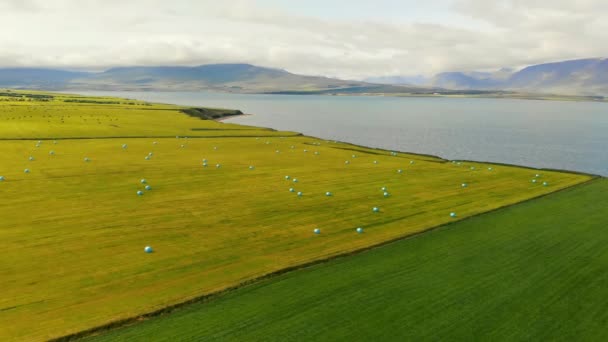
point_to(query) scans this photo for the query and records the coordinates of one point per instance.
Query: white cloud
(471, 34)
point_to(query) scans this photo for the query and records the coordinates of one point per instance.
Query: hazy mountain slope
(229, 77)
(36, 77)
(583, 76)
(574, 77)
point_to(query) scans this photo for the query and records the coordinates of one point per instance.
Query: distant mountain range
(588, 77)
(574, 77)
(223, 77)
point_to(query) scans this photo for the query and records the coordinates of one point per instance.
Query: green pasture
(531, 272)
(72, 232)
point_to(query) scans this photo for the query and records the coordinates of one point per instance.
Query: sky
(351, 39)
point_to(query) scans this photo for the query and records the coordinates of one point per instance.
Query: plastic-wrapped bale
(51, 153)
(452, 215)
(317, 231)
(148, 249)
(490, 169)
(383, 188)
(534, 181)
(300, 194)
(147, 158)
(218, 165)
(26, 171)
(287, 177)
(328, 194)
(140, 193)
(359, 230)
(1, 178)
(347, 162)
(386, 194)
(464, 185)
(251, 167)
(148, 187)
(376, 209)
(124, 146)
(399, 171)
(31, 158)
(295, 180)
(375, 162)
(87, 159)
(545, 184)
(292, 190)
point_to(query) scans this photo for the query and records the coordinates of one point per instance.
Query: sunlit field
(227, 204)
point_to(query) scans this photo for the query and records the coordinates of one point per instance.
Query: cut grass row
(535, 271)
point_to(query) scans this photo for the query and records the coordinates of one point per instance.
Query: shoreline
(224, 118)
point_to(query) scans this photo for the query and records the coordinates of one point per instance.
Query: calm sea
(549, 134)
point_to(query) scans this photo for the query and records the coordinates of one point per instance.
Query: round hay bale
(452, 214)
(148, 249)
(376, 209)
(140, 193)
(359, 230)
(317, 231)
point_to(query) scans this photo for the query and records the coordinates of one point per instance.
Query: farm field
(531, 272)
(74, 228)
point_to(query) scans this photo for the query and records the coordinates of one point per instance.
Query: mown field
(73, 228)
(531, 272)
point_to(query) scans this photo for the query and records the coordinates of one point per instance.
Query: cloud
(472, 34)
